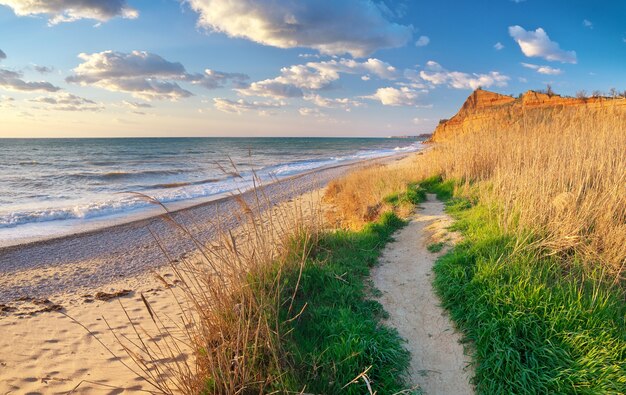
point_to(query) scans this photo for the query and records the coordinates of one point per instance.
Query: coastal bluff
(485, 109)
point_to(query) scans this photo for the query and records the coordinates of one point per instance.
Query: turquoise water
(46, 180)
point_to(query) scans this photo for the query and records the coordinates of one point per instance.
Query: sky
(125, 68)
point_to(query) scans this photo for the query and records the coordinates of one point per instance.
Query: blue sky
(289, 68)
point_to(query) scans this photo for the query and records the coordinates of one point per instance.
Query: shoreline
(147, 214)
(76, 263)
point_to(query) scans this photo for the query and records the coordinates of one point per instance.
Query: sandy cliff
(484, 109)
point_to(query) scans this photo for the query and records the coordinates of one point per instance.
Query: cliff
(484, 109)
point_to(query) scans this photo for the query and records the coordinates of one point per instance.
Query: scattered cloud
(12, 80)
(403, 96)
(6, 101)
(547, 70)
(422, 41)
(212, 79)
(240, 106)
(437, 75)
(498, 46)
(344, 103)
(59, 11)
(64, 101)
(357, 27)
(43, 69)
(587, 23)
(518, 1)
(145, 75)
(296, 80)
(538, 44)
(137, 105)
(311, 112)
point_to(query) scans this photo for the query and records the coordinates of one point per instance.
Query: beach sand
(49, 286)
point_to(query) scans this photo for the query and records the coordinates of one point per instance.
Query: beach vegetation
(537, 284)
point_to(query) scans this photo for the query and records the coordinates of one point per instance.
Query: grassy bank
(534, 326)
(338, 335)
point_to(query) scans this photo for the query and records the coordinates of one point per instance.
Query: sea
(54, 186)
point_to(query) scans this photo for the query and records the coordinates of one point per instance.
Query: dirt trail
(438, 363)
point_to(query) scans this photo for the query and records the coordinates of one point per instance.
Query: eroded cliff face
(487, 110)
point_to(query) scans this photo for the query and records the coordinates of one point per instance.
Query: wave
(121, 203)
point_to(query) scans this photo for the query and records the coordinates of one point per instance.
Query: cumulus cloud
(144, 75)
(295, 80)
(357, 27)
(64, 101)
(403, 96)
(422, 41)
(538, 44)
(59, 11)
(240, 106)
(547, 70)
(2, 55)
(498, 46)
(437, 75)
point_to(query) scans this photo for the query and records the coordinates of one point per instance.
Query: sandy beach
(93, 278)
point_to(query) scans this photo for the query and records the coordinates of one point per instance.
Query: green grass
(435, 247)
(413, 195)
(339, 333)
(536, 325)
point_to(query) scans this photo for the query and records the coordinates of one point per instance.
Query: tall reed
(230, 292)
(559, 174)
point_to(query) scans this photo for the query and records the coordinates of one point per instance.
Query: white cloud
(295, 80)
(240, 106)
(344, 103)
(144, 75)
(422, 41)
(64, 101)
(437, 75)
(357, 27)
(547, 70)
(587, 23)
(71, 10)
(498, 46)
(538, 44)
(403, 96)
(311, 112)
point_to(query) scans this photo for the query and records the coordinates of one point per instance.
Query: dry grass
(559, 174)
(229, 340)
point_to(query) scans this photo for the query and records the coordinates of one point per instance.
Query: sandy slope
(438, 363)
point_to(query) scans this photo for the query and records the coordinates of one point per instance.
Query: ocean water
(49, 184)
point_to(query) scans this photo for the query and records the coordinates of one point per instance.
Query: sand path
(438, 362)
